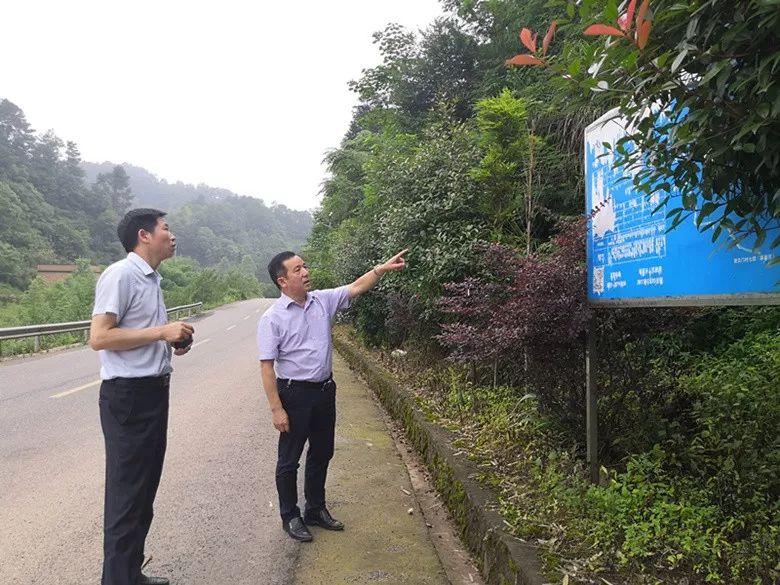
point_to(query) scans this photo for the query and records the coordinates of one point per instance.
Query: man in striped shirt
(296, 354)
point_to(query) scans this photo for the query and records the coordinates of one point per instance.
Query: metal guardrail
(51, 328)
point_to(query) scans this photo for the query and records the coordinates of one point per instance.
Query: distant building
(57, 272)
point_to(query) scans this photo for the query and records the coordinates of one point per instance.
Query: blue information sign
(633, 261)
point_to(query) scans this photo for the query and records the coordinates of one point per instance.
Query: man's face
(162, 243)
(296, 281)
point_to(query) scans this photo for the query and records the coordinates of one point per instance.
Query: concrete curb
(502, 559)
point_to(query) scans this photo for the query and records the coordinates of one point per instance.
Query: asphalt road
(216, 512)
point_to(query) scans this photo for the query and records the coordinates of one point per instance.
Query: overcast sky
(244, 95)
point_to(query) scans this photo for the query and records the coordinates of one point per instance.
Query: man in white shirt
(130, 330)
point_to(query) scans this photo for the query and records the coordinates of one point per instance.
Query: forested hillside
(48, 213)
(150, 190)
(53, 211)
(476, 167)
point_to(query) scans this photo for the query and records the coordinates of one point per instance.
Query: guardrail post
(37, 343)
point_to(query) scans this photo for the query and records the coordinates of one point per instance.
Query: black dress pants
(134, 418)
(311, 409)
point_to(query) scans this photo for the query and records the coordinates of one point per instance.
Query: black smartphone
(186, 342)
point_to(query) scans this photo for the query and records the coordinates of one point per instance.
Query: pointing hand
(397, 262)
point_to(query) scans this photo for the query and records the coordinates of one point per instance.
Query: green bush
(700, 505)
(735, 445)
(67, 300)
(705, 500)
(645, 517)
(185, 282)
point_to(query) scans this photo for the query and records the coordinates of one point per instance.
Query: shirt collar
(287, 301)
(141, 263)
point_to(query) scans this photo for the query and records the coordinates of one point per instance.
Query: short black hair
(276, 267)
(137, 219)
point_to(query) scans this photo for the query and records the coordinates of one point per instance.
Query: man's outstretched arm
(370, 278)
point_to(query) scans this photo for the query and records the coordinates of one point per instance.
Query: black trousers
(134, 418)
(311, 409)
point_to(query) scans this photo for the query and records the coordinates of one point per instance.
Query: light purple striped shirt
(298, 338)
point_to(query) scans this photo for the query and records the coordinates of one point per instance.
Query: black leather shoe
(153, 580)
(323, 518)
(297, 530)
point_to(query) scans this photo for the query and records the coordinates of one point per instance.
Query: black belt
(287, 383)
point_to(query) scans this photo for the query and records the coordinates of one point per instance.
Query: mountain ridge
(149, 188)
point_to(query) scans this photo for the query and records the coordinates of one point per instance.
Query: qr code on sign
(598, 280)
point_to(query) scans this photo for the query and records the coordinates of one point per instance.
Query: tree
(16, 139)
(49, 214)
(509, 146)
(71, 182)
(46, 153)
(417, 74)
(702, 99)
(380, 86)
(115, 187)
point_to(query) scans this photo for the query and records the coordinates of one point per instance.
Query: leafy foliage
(720, 472)
(67, 300)
(526, 308)
(418, 74)
(185, 281)
(417, 193)
(701, 94)
(47, 214)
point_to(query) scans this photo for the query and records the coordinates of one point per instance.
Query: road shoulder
(386, 539)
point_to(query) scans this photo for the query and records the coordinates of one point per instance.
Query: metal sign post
(591, 411)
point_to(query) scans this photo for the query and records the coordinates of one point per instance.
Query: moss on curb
(502, 559)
